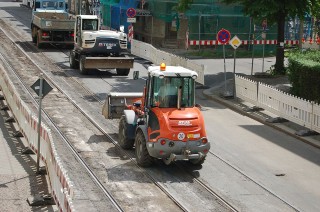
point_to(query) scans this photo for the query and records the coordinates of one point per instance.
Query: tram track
(128, 154)
(24, 46)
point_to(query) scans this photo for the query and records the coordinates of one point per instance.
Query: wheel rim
(81, 65)
(70, 60)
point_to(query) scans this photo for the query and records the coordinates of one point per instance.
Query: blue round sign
(223, 36)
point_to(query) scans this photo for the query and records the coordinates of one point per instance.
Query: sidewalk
(265, 117)
(18, 178)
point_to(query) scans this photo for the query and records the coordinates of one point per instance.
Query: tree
(276, 11)
(183, 6)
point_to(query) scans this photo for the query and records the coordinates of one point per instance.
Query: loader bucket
(108, 62)
(117, 102)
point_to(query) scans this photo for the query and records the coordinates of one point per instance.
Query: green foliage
(270, 9)
(183, 6)
(304, 74)
(276, 11)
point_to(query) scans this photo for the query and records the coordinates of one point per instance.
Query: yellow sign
(235, 42)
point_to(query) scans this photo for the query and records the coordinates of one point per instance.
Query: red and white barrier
(61, 185)
(244, 42)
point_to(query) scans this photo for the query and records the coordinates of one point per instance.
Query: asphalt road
(249, 161)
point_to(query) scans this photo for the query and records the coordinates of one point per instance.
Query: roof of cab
(88, 16)
(171, 71)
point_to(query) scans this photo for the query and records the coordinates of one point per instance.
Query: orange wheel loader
(163, 122)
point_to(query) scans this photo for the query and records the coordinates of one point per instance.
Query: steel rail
(97, 181)
(73, 150)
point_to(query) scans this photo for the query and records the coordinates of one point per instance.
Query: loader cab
(171, 89)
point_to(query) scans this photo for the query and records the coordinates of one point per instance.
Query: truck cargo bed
(53, 21)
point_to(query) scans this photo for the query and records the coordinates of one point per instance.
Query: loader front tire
(142, 156)
(82, 69)
(124, 141)
(123, 71)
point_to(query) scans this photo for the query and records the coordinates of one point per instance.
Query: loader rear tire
(123, 71)
(82, 69)
(72, 60)
(124, 141)
(142, 156)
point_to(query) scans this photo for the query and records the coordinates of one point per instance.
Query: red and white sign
(223, 36)
(130, 32)
(131, 12)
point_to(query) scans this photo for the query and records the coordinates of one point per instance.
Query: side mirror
(135, 75)
(198, 106)
(36, 5)
(121, 28)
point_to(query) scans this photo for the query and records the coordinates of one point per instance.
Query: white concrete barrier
(156, 56)
(61, 186)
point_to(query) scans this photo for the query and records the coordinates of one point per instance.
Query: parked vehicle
(51, 23)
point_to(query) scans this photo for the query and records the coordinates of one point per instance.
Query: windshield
(90, 24)
(165, 92)
(53, 4)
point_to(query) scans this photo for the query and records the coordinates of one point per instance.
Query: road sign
(45, 89)
(131, 12)
(235, 42)
(223, 36)
(131, 20)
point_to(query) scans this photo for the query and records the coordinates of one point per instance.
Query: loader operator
(167, 94)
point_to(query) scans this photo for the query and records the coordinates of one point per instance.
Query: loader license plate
(107, 45)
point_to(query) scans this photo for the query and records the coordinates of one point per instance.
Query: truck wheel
(39, 45)
(124, 141)
(123, 71)
(197, 161)
(82, 69)
(34, 39)
(72, 60)
(142, 155)
(34, 34)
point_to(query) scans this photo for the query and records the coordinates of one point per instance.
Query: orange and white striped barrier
(61, 186)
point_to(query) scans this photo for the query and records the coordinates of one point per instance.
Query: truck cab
(43, 5)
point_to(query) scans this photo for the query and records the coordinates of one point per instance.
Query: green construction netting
(205, 17)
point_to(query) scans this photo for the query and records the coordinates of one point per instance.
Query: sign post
(235, 42)
(130, 33)
(223, 37)
(263, 36)
(42, 88)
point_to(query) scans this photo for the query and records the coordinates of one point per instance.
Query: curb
(236, 109)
